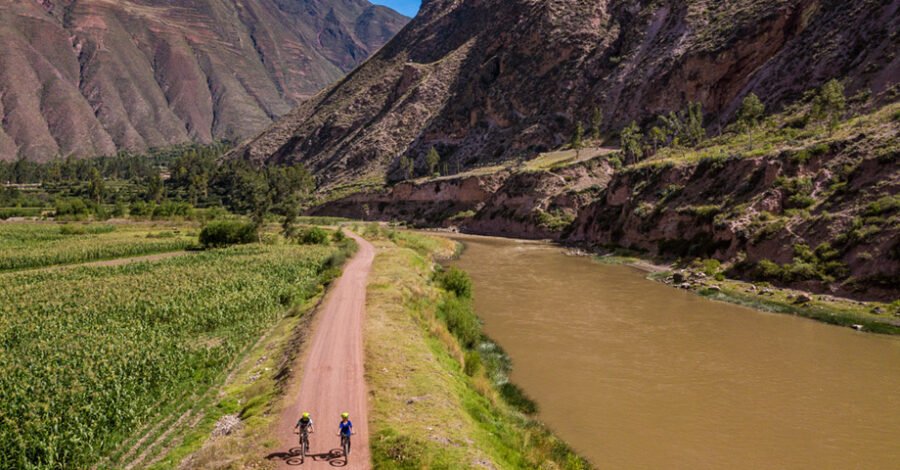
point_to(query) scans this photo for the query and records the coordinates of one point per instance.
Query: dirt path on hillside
(332, 376)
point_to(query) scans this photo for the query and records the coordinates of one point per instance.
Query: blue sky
(407, 7)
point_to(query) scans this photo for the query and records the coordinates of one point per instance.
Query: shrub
(141, 209)
(172, 209)
(710, 266)
(615, 162)
(313, 236)
(768, 269)
(227, 232)
(472, 363)
(705, 213)
(882, 206)
(516, 397)
(800, 201)
(644, 209)
(338, 236)
(556, 220)
(821, 263)
(820, 149)
(456, 281)
(461, 320)
(801, 157)
(71, 206)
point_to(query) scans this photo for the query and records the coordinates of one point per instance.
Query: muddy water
(634, 374)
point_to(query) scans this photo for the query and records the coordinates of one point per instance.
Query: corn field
(25, 246)
(89, 354)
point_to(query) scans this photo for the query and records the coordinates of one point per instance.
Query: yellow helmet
(345, 415)
(305, 415)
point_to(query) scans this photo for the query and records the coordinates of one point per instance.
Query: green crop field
(90, 354)
(30, 245)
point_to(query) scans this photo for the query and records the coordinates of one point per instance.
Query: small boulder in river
(678, 277)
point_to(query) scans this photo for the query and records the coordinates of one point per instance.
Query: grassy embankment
(440, 398)
(131, 356)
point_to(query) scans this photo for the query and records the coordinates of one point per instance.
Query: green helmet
(345, 415)
(306, 415)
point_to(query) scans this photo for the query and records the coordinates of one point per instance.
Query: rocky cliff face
(531, 203)
(829, 219)
(494, 80)
(88, 77)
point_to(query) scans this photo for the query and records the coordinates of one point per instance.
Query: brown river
(635, 374)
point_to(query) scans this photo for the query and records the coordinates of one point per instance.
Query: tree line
(163, 182)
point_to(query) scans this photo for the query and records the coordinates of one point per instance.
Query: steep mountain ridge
(89, 77)
(487, 80)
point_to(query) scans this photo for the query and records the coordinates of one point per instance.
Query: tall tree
(631, 142)
(432, 159)
(696, 133)
(596, 124)
(96, 187)
(751, 112)
(155, 188)
(657, 138)
(830, 103)
(407, 166)
(578, 139)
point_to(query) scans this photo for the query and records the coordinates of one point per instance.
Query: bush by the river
(456, 281)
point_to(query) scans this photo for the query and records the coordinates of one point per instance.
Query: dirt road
(332, 376)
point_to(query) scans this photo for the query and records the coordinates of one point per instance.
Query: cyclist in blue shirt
(345, 428)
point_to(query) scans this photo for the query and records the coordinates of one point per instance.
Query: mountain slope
(491, 80)
(89, 77)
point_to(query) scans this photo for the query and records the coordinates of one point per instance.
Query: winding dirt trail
(333, 380)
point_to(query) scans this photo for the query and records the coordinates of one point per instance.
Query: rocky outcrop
(91, 77)
(827, 223)
(496, 80)
(538, 204)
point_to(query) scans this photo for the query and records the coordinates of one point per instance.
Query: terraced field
(90, 354)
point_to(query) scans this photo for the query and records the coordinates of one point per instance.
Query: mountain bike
(345, 445)
(304, 442)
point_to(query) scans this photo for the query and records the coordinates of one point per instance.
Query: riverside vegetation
(441, 396)
(93, 355)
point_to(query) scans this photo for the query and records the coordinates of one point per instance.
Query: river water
(634, 374)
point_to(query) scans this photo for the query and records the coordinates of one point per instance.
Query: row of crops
(89, 354)
(29, 245)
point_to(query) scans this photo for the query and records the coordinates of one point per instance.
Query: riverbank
(708, 281)
(435, 401)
